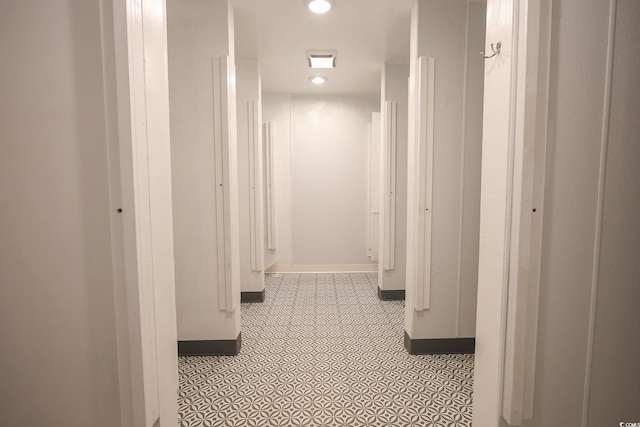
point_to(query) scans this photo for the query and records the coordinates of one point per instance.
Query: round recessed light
(318, 80)
(319, 6)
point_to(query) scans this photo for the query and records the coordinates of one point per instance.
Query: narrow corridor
(323, 350)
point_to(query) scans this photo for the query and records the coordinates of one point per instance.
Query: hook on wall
(495, 50)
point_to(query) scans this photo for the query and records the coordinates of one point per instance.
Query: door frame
(134, 34)
(514, 126)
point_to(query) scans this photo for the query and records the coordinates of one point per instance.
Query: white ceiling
(365, 34)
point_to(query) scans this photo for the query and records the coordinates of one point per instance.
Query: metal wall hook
(495, 50)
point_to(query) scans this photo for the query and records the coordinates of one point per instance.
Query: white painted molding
(463, 145)
(595, 275)
(513, 335)
(375, 220)
(520, 233)
(370, 193)
(137, 190)
(324, 268)
(254, 193)
(375, 189)
(425, 113)
(540, 18)
(495, 209)
(390, 135)
(267, 131)
(526, 211)
(221, 141)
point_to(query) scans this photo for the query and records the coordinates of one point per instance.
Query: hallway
(323, 350)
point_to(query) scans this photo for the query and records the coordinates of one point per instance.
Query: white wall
(573, 213)
(395, 88)
(472, 155)
(329, 177)
(615, 375)
(249, 90)
(441, 29)
(326, 171)
(198, 32)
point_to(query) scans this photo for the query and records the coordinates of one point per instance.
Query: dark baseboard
(391, 295)
(210, 347)
(440, 345)
(252, 296)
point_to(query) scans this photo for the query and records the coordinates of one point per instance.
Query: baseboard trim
(391, 294)
(210, 347)
(327, 268)
(252, 296)
(439, 345)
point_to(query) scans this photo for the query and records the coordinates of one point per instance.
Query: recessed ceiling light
(325, 59)
(319, 6)
(318, 80)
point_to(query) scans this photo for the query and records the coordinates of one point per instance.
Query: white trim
(390, 135)
(221, 147)
(251, 118)
(253, 131)
(542, 31)
(595, 275)
(514, 105)
(160, 199)
(144, 271)
(142, 163)
(114, 36)
(524, 166)
(369, 191)
(393, 165)
(463, 145)
(425, 113)
(375, 188)
(267, 132)
(508, 391)
(495, 205)
(324, 268)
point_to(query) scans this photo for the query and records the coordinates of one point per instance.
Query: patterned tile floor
(323, 350)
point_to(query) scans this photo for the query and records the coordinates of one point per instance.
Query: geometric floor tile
(323, 350)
